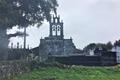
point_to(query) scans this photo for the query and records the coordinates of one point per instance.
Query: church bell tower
(56, 28)
(55, 44)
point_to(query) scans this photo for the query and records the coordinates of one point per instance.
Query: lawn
(72, 73)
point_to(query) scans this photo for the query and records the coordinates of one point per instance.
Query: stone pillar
(28, 47)
(56, 32)
(3, 44)
(62, 29)
(50, 29)
(24, 38)
(18, 45)
(11, 45)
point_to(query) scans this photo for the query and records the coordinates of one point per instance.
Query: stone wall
(3, 44)
(69, 47)
(55, 47)
(12, 68)
(87, 60)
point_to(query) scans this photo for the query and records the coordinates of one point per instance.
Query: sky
(86, 21)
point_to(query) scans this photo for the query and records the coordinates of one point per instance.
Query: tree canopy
(117, 43)
(25, 12)
(92, 46)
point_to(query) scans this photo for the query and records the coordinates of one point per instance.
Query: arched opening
(58, 30)
(53, 30)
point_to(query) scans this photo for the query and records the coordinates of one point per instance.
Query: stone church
(56, 47)
(55, 44)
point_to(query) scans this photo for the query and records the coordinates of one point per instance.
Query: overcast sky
(86, 21)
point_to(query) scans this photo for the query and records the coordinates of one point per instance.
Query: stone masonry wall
(11, 69)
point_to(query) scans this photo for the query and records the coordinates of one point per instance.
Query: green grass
(75, 73)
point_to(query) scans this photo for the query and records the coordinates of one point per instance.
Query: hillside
(72, 73)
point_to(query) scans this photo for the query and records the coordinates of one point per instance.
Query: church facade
(62, 50)
(55, 44)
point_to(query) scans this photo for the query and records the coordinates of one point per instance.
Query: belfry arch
(56, 27)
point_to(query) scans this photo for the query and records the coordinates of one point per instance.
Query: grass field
(74, 73)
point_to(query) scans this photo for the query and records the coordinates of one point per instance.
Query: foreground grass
(74, 73)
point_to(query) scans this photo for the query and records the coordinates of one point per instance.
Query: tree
(101, 45)
(90, 47)
(109, 46)
(117, 43)
(93, 46)
(23, 13)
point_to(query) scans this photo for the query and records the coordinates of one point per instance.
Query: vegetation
(92, 46)
(107, 46)
(22, 14)
(72, 73)
(25, 12)
(117, 43)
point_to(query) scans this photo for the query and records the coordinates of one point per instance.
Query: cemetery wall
(9, 69)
